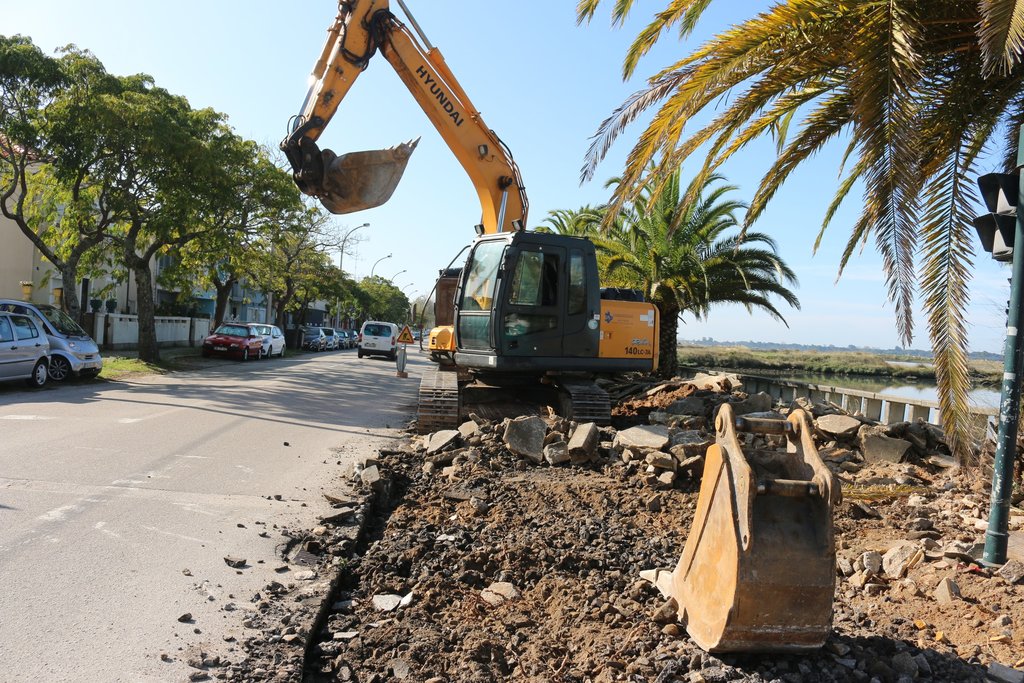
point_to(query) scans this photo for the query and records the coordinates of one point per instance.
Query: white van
(378, 339)
(73, 353)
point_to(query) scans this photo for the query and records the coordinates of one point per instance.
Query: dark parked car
(235, 340)
(313, 338)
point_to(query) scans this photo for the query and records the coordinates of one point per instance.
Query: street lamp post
(378, 261)
(392, 278)
(344, 239)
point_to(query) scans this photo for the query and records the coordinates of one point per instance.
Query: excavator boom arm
(365, 179)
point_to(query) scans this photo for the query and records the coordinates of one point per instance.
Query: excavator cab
(531, 302)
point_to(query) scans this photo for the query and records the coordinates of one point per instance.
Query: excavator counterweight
(758, 571)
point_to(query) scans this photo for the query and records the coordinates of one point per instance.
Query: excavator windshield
(478, 294)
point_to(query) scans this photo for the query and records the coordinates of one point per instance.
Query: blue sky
(542, 83)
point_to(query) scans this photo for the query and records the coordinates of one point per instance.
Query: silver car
(73, 353)
(24, 349)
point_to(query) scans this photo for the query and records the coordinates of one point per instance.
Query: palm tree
(914, 89)
(680, 256)
(581, 222)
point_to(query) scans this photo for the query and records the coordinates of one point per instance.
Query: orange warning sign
(406, 336)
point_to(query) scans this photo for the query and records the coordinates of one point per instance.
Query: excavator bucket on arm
(758, 570)
(362, 180)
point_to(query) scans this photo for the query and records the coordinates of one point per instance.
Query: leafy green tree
(687, 257)
(59, 208)
(294, 264)
(914, 89)
(384, 301)
(260, 197)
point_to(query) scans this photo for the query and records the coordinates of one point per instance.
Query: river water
(983, 397)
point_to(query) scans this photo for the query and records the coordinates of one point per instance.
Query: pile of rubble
(514, 551)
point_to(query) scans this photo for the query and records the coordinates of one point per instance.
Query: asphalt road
(110, 491)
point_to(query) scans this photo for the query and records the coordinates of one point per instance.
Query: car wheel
(39, 374)
(360, 353)
(60, 368)
(393, 355)
(281, 355)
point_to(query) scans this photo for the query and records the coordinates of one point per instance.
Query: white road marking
(26, 417)
(181, 536)
(57, 513)
(133, 420)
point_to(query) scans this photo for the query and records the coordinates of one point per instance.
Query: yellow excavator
(526, 305)
(757, 572)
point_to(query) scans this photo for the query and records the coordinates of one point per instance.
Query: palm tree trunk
(668, 357)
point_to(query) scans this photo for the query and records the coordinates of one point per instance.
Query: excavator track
(584, 401)
(439, 404)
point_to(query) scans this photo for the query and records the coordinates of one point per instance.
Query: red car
(235, 340)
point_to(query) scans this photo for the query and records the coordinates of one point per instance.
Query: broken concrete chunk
(666, 614)
(468, 429)
(897, 560)
(499, 592)
(662, 461)
(946, 592)
(583, 444)
(556, 453)
(691, 405)
(1012, 571)
(872, 563)
(441, 439)
(875, 446)
(647, 437)
(386, 602)
(839, 426)
(524, 436)
(234, 562)
(1004, 674)
(690, 443)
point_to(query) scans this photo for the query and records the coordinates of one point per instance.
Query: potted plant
(95, 305)
(111, 305)
(26, 289)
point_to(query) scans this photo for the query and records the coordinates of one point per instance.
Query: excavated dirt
(573, 541)
(485, 566)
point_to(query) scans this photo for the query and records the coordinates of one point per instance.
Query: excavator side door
(532, 313)
(581, 335)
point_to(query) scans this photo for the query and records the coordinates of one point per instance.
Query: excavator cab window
(577, 283)
(478, 295)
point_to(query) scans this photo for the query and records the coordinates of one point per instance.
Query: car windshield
(62, 322)
(328, 331)
(377, 331)
(233, 330)
(311, 332)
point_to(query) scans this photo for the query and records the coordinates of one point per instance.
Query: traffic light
(997, 228)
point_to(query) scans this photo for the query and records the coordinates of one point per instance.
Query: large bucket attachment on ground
(758, 569)
(362, 180)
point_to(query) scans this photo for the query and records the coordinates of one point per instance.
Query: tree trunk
(148, 349)
(223, 294)
(69, 276)
(668, 322)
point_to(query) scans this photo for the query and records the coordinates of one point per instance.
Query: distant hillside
(775, 346)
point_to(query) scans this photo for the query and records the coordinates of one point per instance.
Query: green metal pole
(1009, 401)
